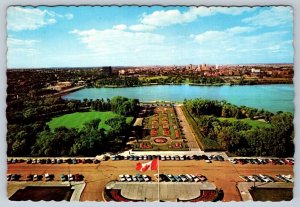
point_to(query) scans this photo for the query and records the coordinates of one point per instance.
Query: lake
(275, 97)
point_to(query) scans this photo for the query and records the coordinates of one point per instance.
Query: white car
(35, 177)
(134, 178)
(251, 178)
(233, 161)
(128, 178)
(288, 177)
(47, 177)
(189, 177)
(70, 177)
(122, 178)
(146, 178)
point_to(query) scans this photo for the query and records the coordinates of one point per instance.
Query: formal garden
(161, 131)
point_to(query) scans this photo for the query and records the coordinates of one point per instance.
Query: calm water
(269, 97)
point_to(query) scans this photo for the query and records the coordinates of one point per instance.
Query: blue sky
(136, 36)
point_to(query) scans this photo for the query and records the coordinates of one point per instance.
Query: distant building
(253, 70)
(81, 83)
(61, 85)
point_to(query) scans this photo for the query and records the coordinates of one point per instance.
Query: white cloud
(120, 27)
(19, 47)
(272, 17)
(112, 42)
(171, 17)
(238, 29)
(21, 18)
(237, 40)
(142, 27)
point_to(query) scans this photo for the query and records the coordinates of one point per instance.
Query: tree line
(240, 138)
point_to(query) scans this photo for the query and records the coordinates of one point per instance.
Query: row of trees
(89, 141)
(216, 108)
(134, 81)
(239, 138)
(206, 80)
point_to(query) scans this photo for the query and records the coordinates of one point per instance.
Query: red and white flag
(152, 165)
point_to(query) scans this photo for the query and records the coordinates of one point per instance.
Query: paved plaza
(167, 191)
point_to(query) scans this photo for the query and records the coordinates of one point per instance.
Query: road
(187, 130)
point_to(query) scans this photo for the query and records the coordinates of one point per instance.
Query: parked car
(78, 177)
(122, 178)
(63, 178)
(8, 177)
(14, 177)
(189, 177)
(201, 177)
(183, 178)
(245, 178)
(95, 161)
(47, 177)
(177, 178)
(251, 178)
(171, 178)
(36, 177)
(29, 177)
(70, 177)
(140, 178)
(134, 178)
(146, 178)
(128, 178)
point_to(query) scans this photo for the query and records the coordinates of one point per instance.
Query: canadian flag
(145, 166)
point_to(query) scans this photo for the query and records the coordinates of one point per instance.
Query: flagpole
(158, 178)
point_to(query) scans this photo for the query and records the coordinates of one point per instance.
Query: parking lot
(223, 174)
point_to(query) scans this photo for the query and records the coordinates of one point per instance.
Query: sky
(42, 37)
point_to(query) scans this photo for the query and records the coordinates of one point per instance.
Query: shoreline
(188, 84)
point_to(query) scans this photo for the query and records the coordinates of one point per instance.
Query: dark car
(14, 177)
(220, 158)
(95, 161)
(63, 177)
(77, 177)
(204, 157)
(29, 177)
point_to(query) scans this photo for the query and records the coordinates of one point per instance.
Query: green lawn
(77, 120)
(253, 123)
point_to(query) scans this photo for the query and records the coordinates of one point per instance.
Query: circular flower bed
(160, 140)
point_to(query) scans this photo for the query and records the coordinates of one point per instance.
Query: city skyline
(86, 36)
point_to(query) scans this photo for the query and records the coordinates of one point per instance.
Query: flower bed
(160, 140)
(145, 145)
